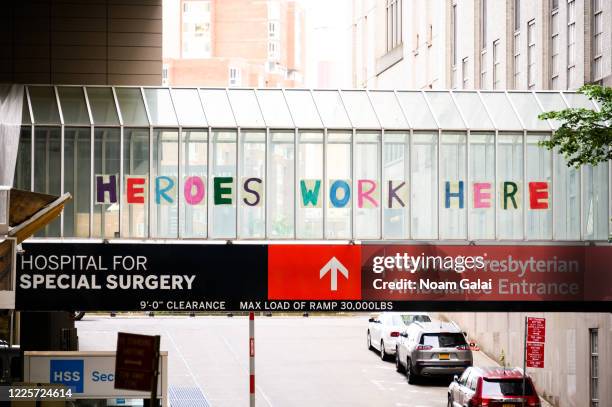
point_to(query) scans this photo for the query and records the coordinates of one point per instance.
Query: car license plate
(445, 356)
(508, 405)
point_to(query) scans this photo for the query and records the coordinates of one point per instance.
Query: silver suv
(432, 349)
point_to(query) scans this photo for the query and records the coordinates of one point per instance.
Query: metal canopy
(302, 108)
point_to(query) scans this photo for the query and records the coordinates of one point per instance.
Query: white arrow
(334, 266)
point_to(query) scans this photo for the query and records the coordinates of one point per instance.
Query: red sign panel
(314, 272)
(535, 355)
(137, 361)
(536, 329)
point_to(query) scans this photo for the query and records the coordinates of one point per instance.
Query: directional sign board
(136, 365)
(536, 336)
(312, 277)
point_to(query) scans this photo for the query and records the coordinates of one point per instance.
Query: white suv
(385, 329)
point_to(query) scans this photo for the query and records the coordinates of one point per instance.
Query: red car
(492, 387)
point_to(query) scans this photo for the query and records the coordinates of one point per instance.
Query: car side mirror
(456, 379)
(404, 334)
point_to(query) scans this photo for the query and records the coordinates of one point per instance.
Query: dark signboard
(137, 362)
(293, 277)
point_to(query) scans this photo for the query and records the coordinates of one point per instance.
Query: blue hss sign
(68, 372)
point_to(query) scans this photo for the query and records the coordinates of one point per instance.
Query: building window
(235, 77)
(165, 75)
(597, 40)
(517, 15)
(454, 46)
(394, 23)
(516, 53)
(483, 69)
(555, 4)
(196, 32)
(571, 42)
(273, 50)
(483, 24)
(554, 47)
(496, 66)
(531, 56)
(273, 30)
(464, 72)
(594, 370)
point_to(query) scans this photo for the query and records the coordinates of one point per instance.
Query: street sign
(136, 365)
(333, 267)
(535, 355)
(536, 329)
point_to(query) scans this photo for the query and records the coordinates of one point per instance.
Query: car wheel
(383, 352)
(370, 347)
(398, 364)
(410, 374)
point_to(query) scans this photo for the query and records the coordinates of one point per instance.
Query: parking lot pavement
(316, 361)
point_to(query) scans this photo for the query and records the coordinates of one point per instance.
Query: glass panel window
(331, 108)
(424, 199)
(473, 110)
(538, 189)
(395, 186)
(245, 108)
(551, 101)
(160, 106)
(217, 108)
(73, 105)
(482, 199)
(132, 107)
(310, 186)
(483, 70)
(134, 222)
(165, 186)
(274, 109)
(338, 188)
(196, 29)
(453, 186)
(44, 105)
(595, 201)
(223, 185)
(597, 43)
(528, 109)
(416, 109)
(77, 181)
(368, 188)
(510, 186)
(251, 188)
(303, 109)
(106, 183)
(188, 107)
(388, 110)
(360, 109)
(566, 200)
(47, 170)
(594, 366)
(194, 191)
(516, 61)
(517, 15)
(281, 185)
(443, 107)
(23, 166)
(501, 111)
(102, 106)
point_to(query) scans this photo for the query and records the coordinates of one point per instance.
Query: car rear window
(443, 340)
(408, 319)
(505, 387)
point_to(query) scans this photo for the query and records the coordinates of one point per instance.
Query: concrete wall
(564, 381)
(81, 42)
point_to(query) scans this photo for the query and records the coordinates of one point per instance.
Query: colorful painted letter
(253, 186)
(510, 191)
(343, 199)
(397, 193)
(194, 190)
(538, 195)
(223, 194)
(482, 195)
(364, 195)
(310, 190)
(106, 189)
(135, 189)
(457, 193)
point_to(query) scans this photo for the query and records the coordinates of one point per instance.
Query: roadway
(316, 361)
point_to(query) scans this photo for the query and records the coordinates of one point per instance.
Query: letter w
(310, 193)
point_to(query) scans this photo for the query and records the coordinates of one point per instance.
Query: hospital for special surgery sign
(293, 277)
